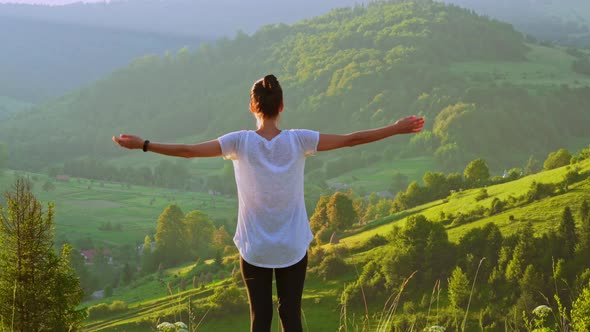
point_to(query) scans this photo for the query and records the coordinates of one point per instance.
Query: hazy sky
(50, 2)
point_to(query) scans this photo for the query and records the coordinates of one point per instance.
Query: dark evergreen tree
(126, 274)
(458, 288)
(39, 290)
(583, 247)
(566, 232)
(523, 254)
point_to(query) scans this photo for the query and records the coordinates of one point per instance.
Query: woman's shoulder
(236, 133)
(299, 131)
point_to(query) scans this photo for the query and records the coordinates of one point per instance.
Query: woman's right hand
(129, 141)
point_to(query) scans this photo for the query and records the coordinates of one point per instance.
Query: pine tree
(584, 238)
(147, 257)
(458, 288)
(566, 231)
(127, 274)
(39, 290)
(522, 255)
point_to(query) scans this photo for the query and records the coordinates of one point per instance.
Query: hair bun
(270, 82)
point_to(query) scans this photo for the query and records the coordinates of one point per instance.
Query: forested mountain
(561, 21)
(352, 68)
(41, 59)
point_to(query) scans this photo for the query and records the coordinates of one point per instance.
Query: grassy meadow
(83, 206)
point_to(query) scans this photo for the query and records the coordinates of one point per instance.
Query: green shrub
(540, 190)
(331, 267)
(226, 300)
(481, 194)
(497, 206)
(372, 242)
(118, 306)
(572, 176)
(581, 311)
(557, 159)
(103, 310)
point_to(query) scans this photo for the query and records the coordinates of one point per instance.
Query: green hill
(352, 68)
(322, 305)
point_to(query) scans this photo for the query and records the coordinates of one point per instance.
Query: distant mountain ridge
(41, 60)
(48, 51)
(561, 21)
(211, 19)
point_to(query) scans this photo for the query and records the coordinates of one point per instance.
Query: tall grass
(385, 321)
(435, 289)
(471, 294)
(13, 305)
(386, 315)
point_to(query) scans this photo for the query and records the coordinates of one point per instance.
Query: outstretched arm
(411, 124)
(206, 149)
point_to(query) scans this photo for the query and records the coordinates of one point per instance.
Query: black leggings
(289, 290)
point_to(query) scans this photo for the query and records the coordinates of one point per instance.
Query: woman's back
(273, 229)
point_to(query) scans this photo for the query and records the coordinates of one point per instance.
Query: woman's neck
(267, 127)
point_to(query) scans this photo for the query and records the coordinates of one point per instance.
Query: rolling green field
(83, 206)
(378, 176)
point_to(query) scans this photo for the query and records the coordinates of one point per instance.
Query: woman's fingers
(127, 141)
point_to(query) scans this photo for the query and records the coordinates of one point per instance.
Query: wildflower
(166, 327)
(169, 327)
(180, 325)
(434, 328)
(542, 311)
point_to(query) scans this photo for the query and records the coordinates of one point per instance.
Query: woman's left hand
(129, 141)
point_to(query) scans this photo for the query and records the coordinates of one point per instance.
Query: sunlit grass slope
(544, 213)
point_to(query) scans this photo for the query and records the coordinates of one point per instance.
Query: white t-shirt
(273, 230)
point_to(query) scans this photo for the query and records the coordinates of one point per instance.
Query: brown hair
(267, 96)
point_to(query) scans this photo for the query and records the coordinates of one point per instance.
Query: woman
(273, 231)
